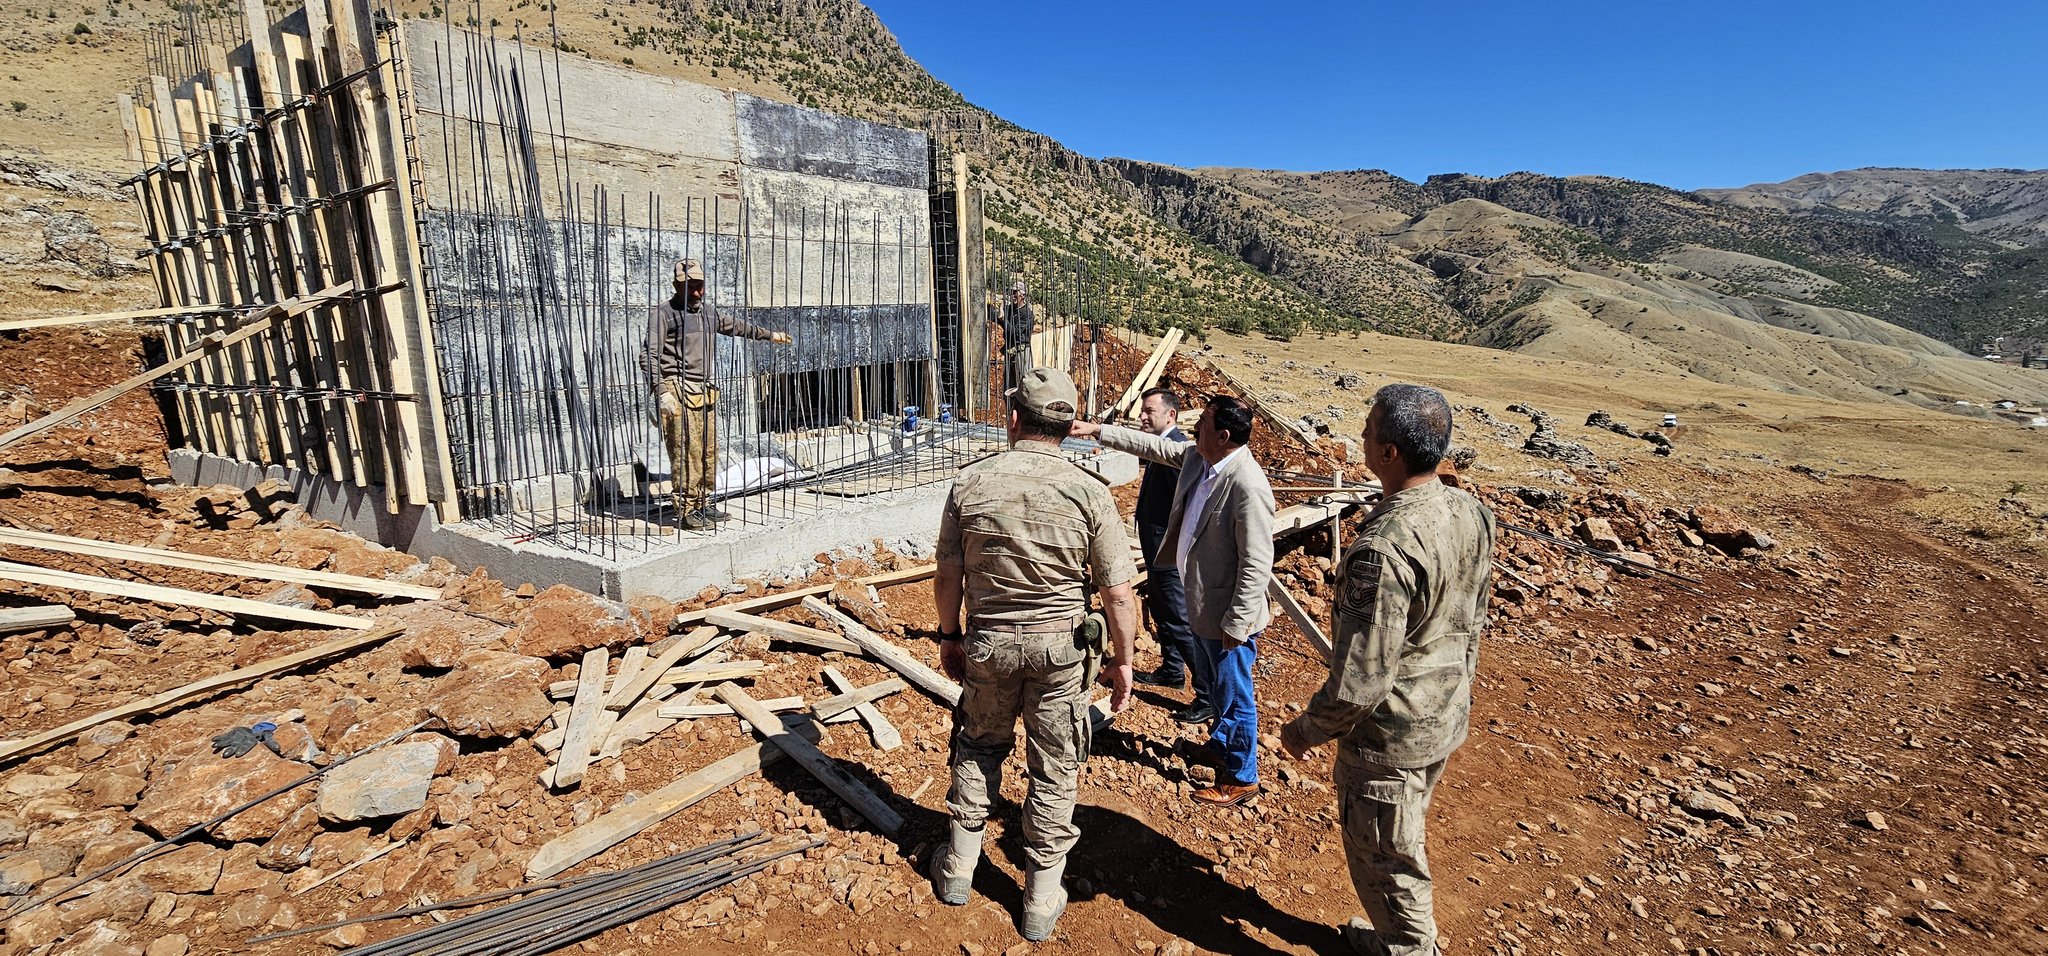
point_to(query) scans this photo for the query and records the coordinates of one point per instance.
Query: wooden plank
(694, 711)
(1148, 375)
(1279, 594)
(378, 634)
(896, 658)
(884, 733)
(624, 821)
(575, 755)
(773, 602)
(780, 630)
(53, 321)
(814, 760)
(694, 674)
(1294, 518)
(205, 562)
(66, 580)
(637, 725)
(431, 409)
(34, 617)
(630, 665)
(631, 691)
(260, 322)
(298, 261)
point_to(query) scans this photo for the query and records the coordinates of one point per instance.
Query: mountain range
(1869, 283)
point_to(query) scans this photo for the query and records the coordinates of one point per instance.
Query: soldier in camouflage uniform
(1410, 603)
(1024, 537)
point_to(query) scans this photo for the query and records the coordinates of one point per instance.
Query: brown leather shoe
(1226, 794)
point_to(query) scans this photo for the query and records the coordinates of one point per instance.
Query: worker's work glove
(240, 740)
(780, 338)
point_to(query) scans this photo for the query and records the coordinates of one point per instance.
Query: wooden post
(896, 658)
(13, 749)
(770, 728)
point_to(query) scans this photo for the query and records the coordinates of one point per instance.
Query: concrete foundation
(906, 521)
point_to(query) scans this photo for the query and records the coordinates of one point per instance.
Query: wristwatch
(943, 636)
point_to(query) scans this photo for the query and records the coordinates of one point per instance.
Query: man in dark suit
(1164, 598)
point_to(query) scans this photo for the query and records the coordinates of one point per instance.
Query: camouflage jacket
(1034, 533)
(1410, 603)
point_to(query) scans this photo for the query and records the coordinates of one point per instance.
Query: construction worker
(677, 359)
(1018, 321)
(1024, 537)
(1410, 603)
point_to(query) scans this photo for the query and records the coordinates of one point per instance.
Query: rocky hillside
(2008, 205)
(1941, 255)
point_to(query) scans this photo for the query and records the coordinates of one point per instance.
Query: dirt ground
(1852, 717)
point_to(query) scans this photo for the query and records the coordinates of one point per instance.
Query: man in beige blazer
(1220, 537)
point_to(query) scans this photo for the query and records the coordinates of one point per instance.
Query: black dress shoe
(1197, 714)
(1154, 679)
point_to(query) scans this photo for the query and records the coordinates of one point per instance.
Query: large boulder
(1725, 531)
(206, 785)
(492, 694)
(71, 237)
(1600, 533)
(564, 622)
(385, 782)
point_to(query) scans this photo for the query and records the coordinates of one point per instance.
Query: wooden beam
(896, 658)
(69, 581)
(638, 724)
(885, 733)
(780, 630)
(1280, 595)
(205, 562)
(622, 822)
(694, 674)
(378, 634)
(631, 691)
(1148, 375)
(34, 618)
(693, 711)
(257, 323)
(576, 745)
(50, 321)
(828, 772)
(772, 602)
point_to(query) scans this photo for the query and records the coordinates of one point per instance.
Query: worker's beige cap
(1042, 389)
(688, 271)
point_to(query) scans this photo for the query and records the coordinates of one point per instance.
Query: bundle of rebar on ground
(563, 912)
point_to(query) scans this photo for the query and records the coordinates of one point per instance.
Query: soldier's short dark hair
(1416, 420)
(1165, 395)
(1233, 417)
(1035, 425)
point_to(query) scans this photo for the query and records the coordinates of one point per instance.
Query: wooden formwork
(281, 170)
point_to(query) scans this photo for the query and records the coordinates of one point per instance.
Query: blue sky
(1689, 95)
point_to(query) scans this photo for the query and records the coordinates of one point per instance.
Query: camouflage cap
(1043, 388)
(687, 270)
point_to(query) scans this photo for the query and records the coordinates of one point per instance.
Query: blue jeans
(1169, 607)
(1236, 731)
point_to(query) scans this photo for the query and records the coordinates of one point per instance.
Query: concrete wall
(806, 221)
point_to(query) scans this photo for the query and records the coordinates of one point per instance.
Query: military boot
(1044, 900)
(953, 867)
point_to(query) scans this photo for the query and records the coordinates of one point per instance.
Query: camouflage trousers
(1382, 811)
(1038, 676)
(688, 415)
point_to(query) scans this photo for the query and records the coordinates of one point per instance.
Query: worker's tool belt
(1061, 625)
